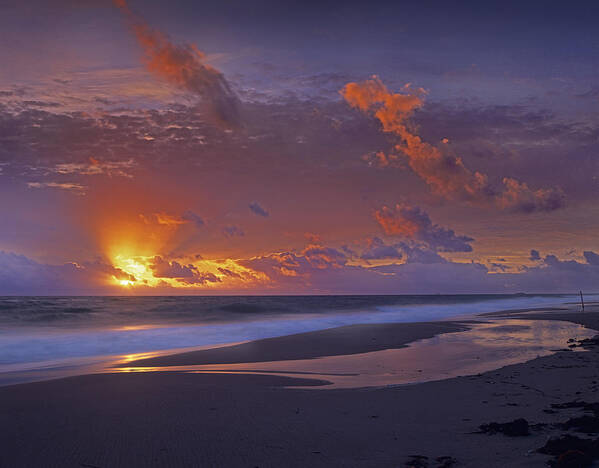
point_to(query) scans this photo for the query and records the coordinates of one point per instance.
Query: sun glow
(131, 266)
(138, 247)
(137, 267)
(140, 271)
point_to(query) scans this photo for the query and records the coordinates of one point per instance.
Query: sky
(283, 147)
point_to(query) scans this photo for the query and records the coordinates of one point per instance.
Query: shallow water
(485, 347)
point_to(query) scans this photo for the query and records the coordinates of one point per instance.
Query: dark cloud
(193, 218)
(377, 249)
(162, 268)
(146, 140)
(232, 231)
(572, 266)
(351, 253)
(257, 209)
(425, 273)
(201, 277)
(24, 276)
(321, 257)
(41, 104)
(39, 143)
(517, 196)
(188, 274)
(591, 257)
(413, 223)
(499, 267)
(316, 269)
(411, 252)
(534, 255)
(511, 141)
(421, 254)
(230, 273)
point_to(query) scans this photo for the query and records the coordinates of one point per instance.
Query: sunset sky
(278, 147)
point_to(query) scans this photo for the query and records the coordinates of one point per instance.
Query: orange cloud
(411, 222)
(183, 65)
(394, 224)
(169, 220)
(444, 173)
(166, 219)
(518, 194)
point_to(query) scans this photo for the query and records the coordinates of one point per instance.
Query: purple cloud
(413, 223)
(193, 218)
(257, 209)
(232, 231)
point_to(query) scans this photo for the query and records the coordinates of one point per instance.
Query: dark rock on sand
(516, 428)
(586, 343)
(587, 424)
(422, 461)
(571, 452)
(446, 462)
(593, 407)
(417, 461)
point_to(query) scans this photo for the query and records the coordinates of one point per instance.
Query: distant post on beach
(581, 301)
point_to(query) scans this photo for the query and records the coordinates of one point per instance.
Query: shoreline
(345, 340)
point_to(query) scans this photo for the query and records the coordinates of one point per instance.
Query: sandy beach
(249, 420)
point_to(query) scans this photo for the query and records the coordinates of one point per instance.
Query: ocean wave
(59, 328)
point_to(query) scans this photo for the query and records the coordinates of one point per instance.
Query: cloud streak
(446, 174)
(96, 167)
(162, 218)
(68, 186)
(184, 66)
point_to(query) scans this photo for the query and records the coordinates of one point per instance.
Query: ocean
(38, 330)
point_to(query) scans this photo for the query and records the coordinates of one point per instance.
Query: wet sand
(174, 419)
(350, 339)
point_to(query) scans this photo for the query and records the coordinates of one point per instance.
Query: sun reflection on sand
(134, 357)
(136, 327)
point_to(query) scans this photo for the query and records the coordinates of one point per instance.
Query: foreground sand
(172, 419)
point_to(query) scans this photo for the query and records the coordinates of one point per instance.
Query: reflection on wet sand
(486, 346)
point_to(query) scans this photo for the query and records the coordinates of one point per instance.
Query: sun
(136, 271)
